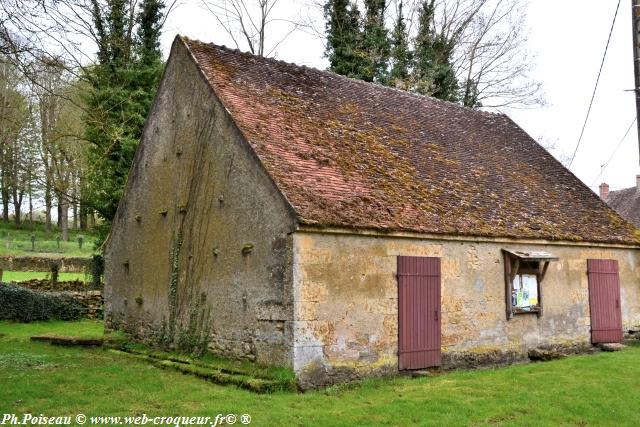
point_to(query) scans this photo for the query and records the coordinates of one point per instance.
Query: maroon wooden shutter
(418, 312)
(604, 300)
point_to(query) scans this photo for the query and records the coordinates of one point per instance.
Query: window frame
(529, 263)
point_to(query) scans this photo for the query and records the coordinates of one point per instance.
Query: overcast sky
(568, 37)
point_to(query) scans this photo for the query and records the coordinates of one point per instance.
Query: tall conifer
(375, 43)
(400, 52)
(122, 87)
(433, 72)
(343, 37)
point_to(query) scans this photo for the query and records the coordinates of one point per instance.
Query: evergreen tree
(471, 94)
(122, 87)
(375, 43)
(149, 29)
(400, 52)
(433, 72)
(146, 69)
(343, 38)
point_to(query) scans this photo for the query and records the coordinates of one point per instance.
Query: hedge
(25, 305)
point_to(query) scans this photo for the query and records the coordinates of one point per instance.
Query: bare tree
(54, 44)
(67, 153)
(491, 59)
(24, 163)
(13, 117)
(49, 79)
(248, 23)
(493, 62)
(35, 32)
(62, 145)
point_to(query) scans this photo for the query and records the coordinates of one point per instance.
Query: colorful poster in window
(525, 291)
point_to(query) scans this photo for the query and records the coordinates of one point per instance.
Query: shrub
(26, 305)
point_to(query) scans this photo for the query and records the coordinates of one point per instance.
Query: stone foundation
(315, 376)
(632, 333)
(503, 357)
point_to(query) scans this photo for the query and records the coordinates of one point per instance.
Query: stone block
(613, 346)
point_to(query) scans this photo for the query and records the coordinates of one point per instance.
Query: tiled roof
(351, 154)
(627, 203)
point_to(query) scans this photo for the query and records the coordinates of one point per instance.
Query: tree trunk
(17, 207)
(63, 209)
(74, 203)
(30, 203)
(47, 206)
(17, 214)
(59, 211)
(75, 215)
(5, 205)
(84, 210)
(4, 191)
(92, 219)
(83, 216)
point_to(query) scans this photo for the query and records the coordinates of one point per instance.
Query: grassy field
(20, 276)
(37, 378)
(18, 241)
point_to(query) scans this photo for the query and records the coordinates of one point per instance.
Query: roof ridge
(623, 189)
(340, 76)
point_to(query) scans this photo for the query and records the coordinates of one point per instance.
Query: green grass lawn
(18, 241)
(20, 276)
(36, 377)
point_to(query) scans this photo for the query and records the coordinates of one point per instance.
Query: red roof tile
(353, 154)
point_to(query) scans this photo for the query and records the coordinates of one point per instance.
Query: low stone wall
(25, 263)
(22, 304)
(91, 301)
(67, 285)
(88, 297)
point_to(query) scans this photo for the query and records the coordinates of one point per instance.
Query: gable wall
(346, 312)
(175, 270)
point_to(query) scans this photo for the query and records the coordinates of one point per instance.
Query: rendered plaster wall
(346, 312)
(200, 251)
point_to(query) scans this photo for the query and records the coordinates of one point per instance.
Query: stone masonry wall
(346, 314)
(200, 253)
(27, 263)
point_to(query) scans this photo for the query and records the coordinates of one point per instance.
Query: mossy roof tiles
(346, 153)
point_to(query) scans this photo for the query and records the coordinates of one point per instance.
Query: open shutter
(418, 312)
(604, 301)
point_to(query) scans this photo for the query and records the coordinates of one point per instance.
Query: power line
(584, 125)
(614, 152)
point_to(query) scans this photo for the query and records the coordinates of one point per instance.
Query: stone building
(626, 201)
(296, 217)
